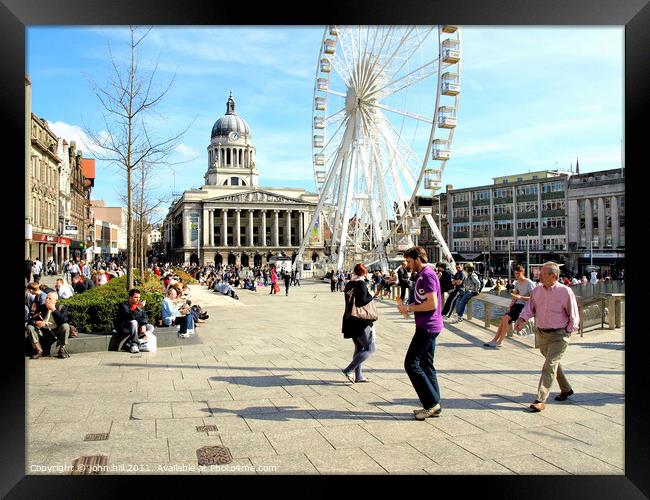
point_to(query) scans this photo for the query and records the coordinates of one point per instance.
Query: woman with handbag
(358, 322)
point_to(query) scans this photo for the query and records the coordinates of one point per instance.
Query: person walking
(333, 281)
(274, 279)
(362, 332)
(287, 282)
(403, 280)
(297, 283)
(520, 296)
(555, 309)
(418, 362)
(37, 269)
(28, 271)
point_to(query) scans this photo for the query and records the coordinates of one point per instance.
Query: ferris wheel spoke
(334, 92)
(425, 71)
(416, 47)
(405, 113)
(395, 52)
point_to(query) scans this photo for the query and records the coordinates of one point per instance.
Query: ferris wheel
(384, 112)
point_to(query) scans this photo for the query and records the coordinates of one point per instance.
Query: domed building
(231, 219)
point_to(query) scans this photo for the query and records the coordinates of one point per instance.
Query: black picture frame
(15, 15)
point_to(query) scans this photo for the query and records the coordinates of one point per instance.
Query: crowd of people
(551, 302)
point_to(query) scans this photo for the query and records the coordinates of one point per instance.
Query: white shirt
(37, 267)
(65, 291)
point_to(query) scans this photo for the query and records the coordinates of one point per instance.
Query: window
(504, 225)
(557, 204)
(528, 189)
(481, 195)
(527, 207)
(553, 187)
(502, 209)
(481, 210)
(553, 222)
(234, 181)
(461, 212)
(503, 192)
(527, 224)
(460, 197)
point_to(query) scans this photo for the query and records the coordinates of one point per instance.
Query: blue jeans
(462, 302)
(364, 346)
(419, 367)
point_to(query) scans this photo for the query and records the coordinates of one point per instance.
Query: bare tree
(127, 100)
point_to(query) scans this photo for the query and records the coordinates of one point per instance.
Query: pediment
(256, 196)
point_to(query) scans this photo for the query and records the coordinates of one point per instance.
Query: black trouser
(450, 303)
(333, 285)
(403, 287)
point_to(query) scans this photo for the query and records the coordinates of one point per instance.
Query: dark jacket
(125, 314)
(402, 276)
(80, 287)
(60, 315)
(445, 281)
(354, 327)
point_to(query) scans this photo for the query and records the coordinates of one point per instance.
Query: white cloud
(185, 150)
(75, 133)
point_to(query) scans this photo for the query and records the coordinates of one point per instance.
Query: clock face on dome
(234, 136)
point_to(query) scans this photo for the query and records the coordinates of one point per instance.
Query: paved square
(268, 376)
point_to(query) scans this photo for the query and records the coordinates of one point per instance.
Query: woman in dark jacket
(360, 331)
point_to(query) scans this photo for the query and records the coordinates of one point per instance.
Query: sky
(533, 98)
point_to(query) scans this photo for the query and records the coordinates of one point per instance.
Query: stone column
(276, 228)
(301, 227)
(615, 221)
(250, 228)
(238, 227)
(588, 222)
(602, 223)
(263, 214)
(287, 234)
(224, 228)
(212, 227)
(573, 217)
(205, 222)
(186, 229)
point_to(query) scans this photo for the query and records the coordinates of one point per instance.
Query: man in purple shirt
(556, 315)
(428, 324)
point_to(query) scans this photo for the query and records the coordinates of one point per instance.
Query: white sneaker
(184, 335)
(134, 348)
(190, 331)
(144, 348)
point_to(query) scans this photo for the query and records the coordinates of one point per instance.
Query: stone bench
(98, 342)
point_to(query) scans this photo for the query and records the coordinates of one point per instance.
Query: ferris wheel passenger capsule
(451, 51)
(319, 103)
(325, 66)
(450, 84)
(329, 46)
(432, 178)
(319, 141)
(440, 150)
(323, 84)
(319, 122)
(319, 159)
(447, 117)
(334, 30)
(450, 29)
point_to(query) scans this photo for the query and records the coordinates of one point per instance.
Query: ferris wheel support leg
(438, 235)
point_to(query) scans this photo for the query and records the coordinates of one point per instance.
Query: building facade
(596, 215)
(231, 219)
(46, 242)
(519, 218)
(540, 216)
(116, 216)
(426, 238)
(80, 188)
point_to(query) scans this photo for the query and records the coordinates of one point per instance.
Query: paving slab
(278, 401)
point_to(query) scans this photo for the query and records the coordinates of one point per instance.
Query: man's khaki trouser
(552, 346)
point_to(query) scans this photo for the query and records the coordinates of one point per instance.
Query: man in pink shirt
(556, 315)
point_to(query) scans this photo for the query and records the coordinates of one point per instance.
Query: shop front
(48, 246)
